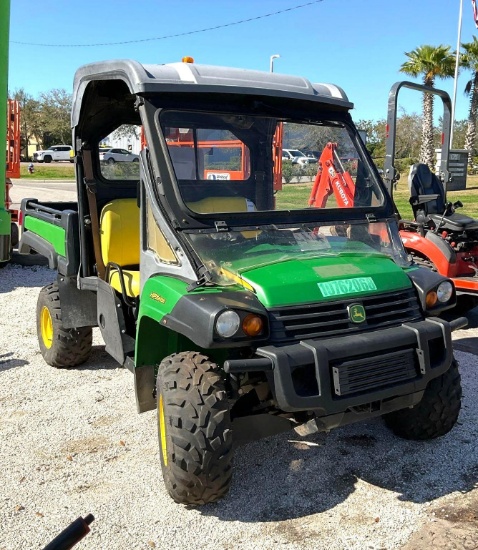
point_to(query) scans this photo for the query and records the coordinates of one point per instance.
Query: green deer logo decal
(356, 313)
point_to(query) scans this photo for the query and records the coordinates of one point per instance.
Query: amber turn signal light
(432, 298)
(252, 325)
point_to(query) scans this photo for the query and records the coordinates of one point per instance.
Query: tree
(30, 123)
(430, 62)
(469, 60)
(375, 131)
(55, 108)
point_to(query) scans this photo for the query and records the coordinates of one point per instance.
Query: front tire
(59, 346)
(47, 159)
(194, 429)
(437, 412)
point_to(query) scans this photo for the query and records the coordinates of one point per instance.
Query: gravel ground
(72, 443)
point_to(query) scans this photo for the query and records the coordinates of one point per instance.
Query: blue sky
(357, 44)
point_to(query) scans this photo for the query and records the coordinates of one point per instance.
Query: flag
(475, 12)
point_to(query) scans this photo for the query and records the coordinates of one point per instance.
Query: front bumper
(334, 375)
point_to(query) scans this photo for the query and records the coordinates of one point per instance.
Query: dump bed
(51, 229)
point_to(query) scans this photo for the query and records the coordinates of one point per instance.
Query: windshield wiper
(204, 278)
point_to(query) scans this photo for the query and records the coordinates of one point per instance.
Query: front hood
(298, 281)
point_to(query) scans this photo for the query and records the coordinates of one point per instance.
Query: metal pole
(457, 65)
(271, 66)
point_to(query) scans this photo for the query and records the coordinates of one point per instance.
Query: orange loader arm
(332, 178)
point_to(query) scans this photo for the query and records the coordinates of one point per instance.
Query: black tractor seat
(427, 197)
(455, 222)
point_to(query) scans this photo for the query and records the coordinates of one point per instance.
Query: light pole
(457, 65)
(275, 56)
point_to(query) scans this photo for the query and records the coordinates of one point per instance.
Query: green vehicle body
(346, 330)
(5, 216)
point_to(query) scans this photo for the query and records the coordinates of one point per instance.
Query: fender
(432, 247)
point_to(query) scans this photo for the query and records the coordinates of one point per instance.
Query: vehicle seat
(427, 197)
(120, 244)
(213, 205)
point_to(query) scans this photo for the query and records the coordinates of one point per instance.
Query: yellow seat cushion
(131, 281)
(120, 244)
(119, 232)
(212, 205)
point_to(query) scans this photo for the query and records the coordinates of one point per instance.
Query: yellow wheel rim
(162, 430)
(46, 327)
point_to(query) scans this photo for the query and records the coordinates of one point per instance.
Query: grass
(297, 195)
(54, 171)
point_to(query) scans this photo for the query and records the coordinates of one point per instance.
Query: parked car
(312, 154)
(56, 153)
(117, 155)
(297, 157)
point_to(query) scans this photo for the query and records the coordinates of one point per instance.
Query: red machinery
(12, 161)
(438, 237)
(332, 178)
(13, 139)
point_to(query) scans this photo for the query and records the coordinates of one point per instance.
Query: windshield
(233, 163)
(228, 256)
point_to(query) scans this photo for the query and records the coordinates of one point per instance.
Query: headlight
(444, 291)
(227, 323)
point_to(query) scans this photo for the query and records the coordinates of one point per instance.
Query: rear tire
(437, 412)
(59, 346)
(194, 428)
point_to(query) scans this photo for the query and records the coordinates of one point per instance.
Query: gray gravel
(72, 443)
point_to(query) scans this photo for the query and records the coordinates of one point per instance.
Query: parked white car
(54, 153)
(116, 154)
(297, 157)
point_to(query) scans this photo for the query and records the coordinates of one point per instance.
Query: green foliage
(30, 122)
(287, 171)
(120, 170)
(55, 113)
(376, 133)
(429, 62)
(298, 173)
(403, 164)
(45, 120)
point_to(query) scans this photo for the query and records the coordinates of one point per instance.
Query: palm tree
(469, 60)
(430, 62)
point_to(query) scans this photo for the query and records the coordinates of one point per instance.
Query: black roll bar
(389, 168)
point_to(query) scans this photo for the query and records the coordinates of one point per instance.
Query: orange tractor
(438, 237)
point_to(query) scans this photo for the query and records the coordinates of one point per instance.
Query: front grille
(331, 318)
(373, 373)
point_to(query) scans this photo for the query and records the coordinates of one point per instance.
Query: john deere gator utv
(240, 310)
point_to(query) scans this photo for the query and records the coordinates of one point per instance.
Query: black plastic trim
(420, 336)
(195, 314)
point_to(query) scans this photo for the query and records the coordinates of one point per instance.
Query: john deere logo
(356, 313)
